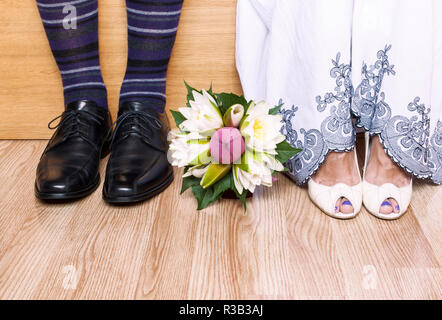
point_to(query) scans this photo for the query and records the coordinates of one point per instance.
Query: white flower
(203, 116)
(188, 149)
(272, 163)
(258, 174)
(197, 171)
(260, 130)
(261, 108)
(233, 116)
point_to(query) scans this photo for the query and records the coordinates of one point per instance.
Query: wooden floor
(282, 248)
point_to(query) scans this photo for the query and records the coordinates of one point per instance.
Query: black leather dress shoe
(138, 168)
(68, 168)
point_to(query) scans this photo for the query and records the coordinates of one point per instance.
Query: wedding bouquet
(227, 143)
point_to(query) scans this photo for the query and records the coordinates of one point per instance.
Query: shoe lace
(138, 122)
(70, 123)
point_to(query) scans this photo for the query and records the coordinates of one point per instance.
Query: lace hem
(319, 163)
(406, 140)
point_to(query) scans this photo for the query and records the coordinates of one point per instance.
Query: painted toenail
(386, 203)
(397, 208)
(347, 203)
(336, 208)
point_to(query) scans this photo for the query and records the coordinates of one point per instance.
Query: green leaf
(190, 93)
(202, 158)
(275, 110)
(224, 184)
(207, 196)
(226, 100)
(241, 197)
(189, 182)
(198, 141)
(199, 194)
(244, 164)
(178, 117)
(247, 106)
(210, 91)
(285, 152)
(215, 173)
(203, 196)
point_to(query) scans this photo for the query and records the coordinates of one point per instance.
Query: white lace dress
(342, 64)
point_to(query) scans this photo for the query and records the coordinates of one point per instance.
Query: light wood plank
(282, 247)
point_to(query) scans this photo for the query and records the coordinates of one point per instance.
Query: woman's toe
(386, 207)
(395, 205)
(338, 205)
(346, 206)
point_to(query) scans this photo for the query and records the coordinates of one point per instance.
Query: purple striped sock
(72, 30)
(152, 26)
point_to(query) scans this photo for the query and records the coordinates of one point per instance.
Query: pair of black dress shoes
(137, 168)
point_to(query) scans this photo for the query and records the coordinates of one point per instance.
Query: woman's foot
(380, 170)
(339, 167)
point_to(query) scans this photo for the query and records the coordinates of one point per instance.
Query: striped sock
(152, 26)
(72, 31)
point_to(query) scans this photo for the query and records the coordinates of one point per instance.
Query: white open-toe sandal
(325, 197)
(374, 196)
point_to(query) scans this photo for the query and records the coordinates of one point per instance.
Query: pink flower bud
(227, 145)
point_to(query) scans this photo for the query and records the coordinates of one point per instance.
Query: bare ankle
(338, 167)
(381, 168)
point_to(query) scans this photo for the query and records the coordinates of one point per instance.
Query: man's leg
(152, 27)
(138, 168)
(68, 167)
(72, 31)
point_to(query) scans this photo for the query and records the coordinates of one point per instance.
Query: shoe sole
(342, 216)
(139, 197)
(48, 196)
(387, 216)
